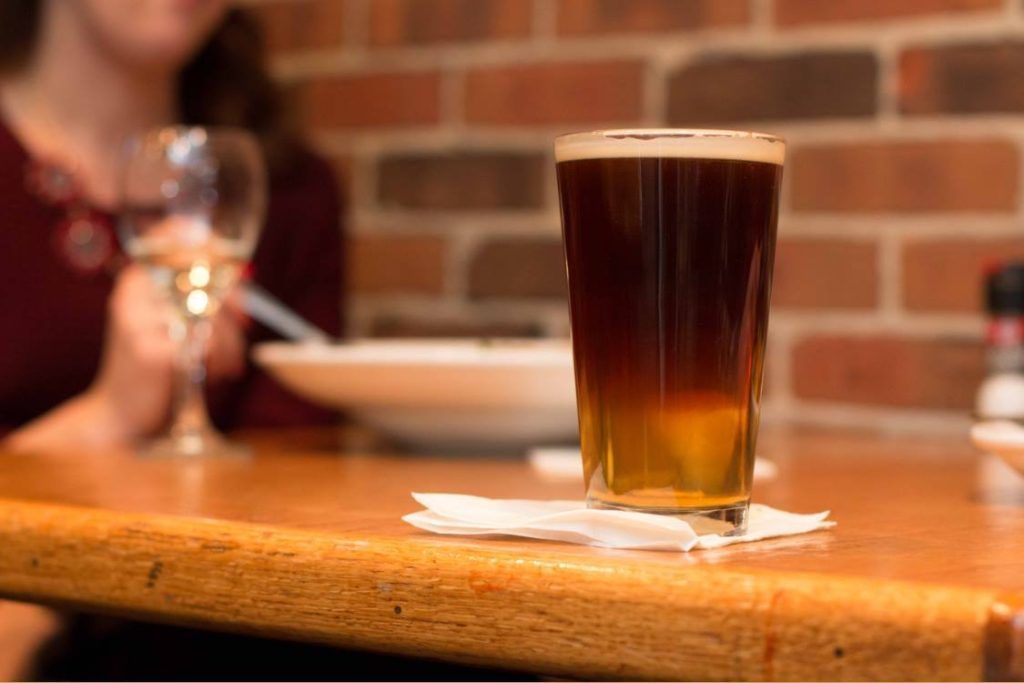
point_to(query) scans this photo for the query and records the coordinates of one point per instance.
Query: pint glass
(669, 242)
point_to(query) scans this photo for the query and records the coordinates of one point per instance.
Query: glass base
(724, 521)
(207, 444)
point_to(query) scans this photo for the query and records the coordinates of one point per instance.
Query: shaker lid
(1004, 289)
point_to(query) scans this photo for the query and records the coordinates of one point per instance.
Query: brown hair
(226, 83)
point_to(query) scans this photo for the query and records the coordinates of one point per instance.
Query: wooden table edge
(537, 610)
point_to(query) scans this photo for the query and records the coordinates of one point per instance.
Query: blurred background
(903, 180)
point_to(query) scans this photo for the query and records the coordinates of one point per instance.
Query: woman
(85, 360)
(84, 355)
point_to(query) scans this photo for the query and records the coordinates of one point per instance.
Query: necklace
(84, 237)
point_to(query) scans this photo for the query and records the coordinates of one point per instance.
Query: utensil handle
(263, 306)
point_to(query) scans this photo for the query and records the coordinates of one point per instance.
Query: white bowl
(438, 393)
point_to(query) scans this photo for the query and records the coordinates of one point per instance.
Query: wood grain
(920, 580)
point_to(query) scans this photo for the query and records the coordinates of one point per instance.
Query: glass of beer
(669, 242)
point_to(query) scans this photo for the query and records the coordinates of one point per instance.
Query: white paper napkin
(573, 522)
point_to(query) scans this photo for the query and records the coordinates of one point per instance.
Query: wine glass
(192, 202)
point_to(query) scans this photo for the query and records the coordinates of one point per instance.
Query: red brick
(435, 327)
(825, 273)
(888, 371)
(589, 17)
(518, 269)
(723, 88)
(400, 264)
(413, 22)
(555, 93)
(949, 274)
(963, 79)
(801, 12)
(905, 176)
(373, 100)
(293, 25)
(462, 180)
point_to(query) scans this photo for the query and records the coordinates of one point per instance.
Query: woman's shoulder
(304, 176)
(13, 157)
(305, 201)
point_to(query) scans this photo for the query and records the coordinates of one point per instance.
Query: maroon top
(53, 313)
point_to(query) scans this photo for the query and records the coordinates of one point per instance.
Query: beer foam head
(671, 142)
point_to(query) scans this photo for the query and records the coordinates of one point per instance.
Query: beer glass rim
(685, 142)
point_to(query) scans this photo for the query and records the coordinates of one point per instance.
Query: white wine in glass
(192, 202)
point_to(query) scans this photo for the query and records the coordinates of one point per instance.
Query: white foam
(671, 142)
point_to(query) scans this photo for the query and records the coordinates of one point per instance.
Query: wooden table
(922, 579)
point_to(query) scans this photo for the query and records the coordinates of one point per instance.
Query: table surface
(921, 579)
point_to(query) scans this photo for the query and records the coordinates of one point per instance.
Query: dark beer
(670, 239)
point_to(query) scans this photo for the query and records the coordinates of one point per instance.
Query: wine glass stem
(191, 420)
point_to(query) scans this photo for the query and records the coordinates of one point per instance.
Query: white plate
(1003, 438)
(438, 393)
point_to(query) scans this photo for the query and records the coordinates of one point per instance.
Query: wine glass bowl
(192, 202)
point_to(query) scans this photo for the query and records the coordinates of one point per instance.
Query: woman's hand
(136, 378)
(131, 395)
(225, 358)
(132, 392)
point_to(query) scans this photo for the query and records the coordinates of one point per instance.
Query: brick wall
(905, 125)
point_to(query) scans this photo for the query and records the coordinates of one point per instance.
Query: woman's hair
(226, 83)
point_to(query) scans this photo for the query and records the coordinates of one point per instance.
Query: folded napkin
(573, 522)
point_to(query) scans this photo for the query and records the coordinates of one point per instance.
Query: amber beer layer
(670, 240)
